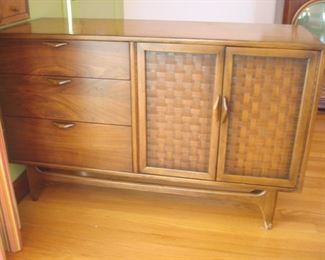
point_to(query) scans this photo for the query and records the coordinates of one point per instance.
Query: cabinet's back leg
(35, 182)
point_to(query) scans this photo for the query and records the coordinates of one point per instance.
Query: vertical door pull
(224, 109)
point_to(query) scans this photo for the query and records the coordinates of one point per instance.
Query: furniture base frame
(264, 199)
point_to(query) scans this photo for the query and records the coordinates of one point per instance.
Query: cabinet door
(179, 89)
(268, 97)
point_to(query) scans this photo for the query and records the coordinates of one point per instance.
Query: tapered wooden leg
(267, 206)
(35, 182)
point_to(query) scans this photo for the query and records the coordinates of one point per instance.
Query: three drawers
(67, 103)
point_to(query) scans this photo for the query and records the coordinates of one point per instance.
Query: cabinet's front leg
(267, 206)
(35, 182)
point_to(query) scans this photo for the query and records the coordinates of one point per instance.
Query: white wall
(249, 11)
(97, 8)
(80, 8)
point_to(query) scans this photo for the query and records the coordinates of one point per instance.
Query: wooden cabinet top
(235, 34)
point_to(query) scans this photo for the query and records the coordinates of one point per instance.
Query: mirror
(312, 17)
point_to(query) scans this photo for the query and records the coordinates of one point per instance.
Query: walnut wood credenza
(198, 109)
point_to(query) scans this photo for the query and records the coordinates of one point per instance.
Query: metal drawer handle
(59, 82)
(63, 125)
(216, 108)
(225, 109)
(55, 44)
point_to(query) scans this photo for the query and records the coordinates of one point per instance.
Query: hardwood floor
(73, 222)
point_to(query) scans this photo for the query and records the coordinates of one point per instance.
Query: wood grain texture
(265, 35)
(2, 247)
(13, 11)
(112, 224)
(65, 58)
(9, 220)
(83, 145)
(134, 106)
(265, 200)
(149, 179)
(3, 239)
(87, 100)
(269, 94)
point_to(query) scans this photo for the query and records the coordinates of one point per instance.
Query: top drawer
(65, 58)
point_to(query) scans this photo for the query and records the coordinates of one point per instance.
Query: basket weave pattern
(264, 106)
(179, 106)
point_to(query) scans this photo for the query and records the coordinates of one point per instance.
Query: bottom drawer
(95, 146)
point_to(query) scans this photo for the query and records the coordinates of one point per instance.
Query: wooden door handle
(55, 44)
(224, 109)
(59, 82)
(63, 125)
(216, 108)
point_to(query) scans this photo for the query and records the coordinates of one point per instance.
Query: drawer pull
(225, 110)
(216, 108)
(55, 44)
(62, 125)
(59, 82)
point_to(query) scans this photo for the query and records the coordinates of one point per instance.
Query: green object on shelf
(16, 170)
(312, 17)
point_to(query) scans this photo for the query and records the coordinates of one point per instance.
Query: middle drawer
(75, 99)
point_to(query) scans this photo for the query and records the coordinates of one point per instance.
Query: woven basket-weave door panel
(179, 89)
(179, 103)
(265, 94)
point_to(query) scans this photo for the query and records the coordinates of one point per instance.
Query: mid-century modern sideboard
(200, 109)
